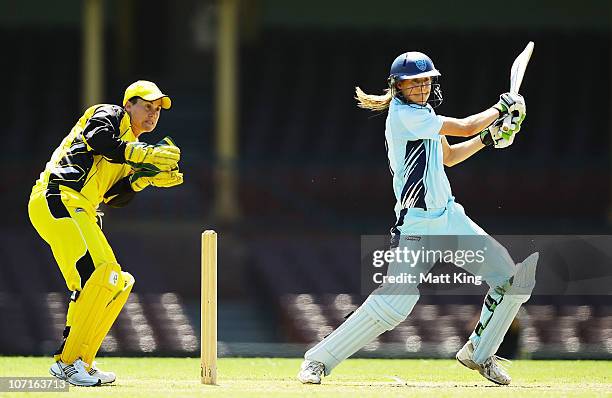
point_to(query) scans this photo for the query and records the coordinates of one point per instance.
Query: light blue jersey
(415, 158)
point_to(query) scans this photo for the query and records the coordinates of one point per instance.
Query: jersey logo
(421, 64)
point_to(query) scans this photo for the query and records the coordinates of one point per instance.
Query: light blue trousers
(391, 303)
(463, 234)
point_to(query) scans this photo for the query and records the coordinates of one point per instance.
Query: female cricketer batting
(100, 160)
(417, 150)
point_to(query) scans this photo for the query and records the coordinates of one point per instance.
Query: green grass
(274, 377)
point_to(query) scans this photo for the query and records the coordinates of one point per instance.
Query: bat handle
(508, 119)
(506, 123)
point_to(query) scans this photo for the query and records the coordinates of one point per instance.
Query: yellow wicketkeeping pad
(90, 309)
(111, 313)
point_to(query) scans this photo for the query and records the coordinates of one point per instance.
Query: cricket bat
(516, 77)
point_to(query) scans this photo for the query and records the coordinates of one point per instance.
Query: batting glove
(493, 136)
(510, 103)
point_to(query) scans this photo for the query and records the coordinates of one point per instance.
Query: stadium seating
(439, 330)
(165, 324)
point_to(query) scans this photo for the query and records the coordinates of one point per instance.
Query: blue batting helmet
(414, 65)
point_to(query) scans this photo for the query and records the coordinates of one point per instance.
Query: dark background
(312, 170)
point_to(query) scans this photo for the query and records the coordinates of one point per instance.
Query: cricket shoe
(491, 368)
(105, 377)
(74, 373)
(311, 372)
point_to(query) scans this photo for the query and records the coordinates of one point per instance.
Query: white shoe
(105, 377)
(311, 372)
(491, 369)
(74, 373)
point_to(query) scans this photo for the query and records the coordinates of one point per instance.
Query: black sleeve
(103, 135)
(120, 194)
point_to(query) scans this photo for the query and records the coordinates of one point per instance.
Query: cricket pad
(109, 317)
(91, 309)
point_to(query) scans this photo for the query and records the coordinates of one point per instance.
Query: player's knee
(505, 292)
(128, 279)
(522, 282)
(107, 275)
(517, 296)
(128, 283)
(390, 311)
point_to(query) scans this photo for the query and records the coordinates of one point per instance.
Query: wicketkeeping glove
(144, 176)
(152, 157)
(165, 179)
(510, 103)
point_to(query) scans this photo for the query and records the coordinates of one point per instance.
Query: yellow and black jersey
(89, 164)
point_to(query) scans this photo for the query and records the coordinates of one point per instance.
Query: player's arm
(509, 103)
(102, 134)
(470, 125)
(491, 136)
(124, 190)
(457, 153)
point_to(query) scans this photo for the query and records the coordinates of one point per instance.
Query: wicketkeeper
(100, 160)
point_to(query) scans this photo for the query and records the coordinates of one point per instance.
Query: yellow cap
(148, 91)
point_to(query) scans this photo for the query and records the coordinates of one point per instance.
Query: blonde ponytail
(373, 102)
